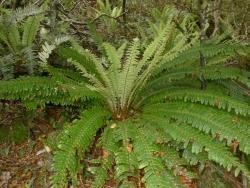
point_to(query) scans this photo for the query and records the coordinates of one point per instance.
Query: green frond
(185, 133)
(176, 163)
(30, 28)
(126, 163)
(172, 158)
(27, 87)
(124, 131)
(155, 173)
(81, 58)
(129, 73)
(95, 35)
(107, 140)
(213, 96)
(103, 165)
(210, 72)
(195, 158)
(114, 66)
(208, 119)
(128, 184)
(113, 57)
(121, 50)
(192, 54)
(66, 75)
(151, 49)
(74, 143)
(101, 175)
(43, 90)
(101, 172)
(92, 59)
(151, 57)
(14, 38)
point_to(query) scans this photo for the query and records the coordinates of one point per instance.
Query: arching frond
(186, 134)
(76, 138)
(192, 54)
(42, 90)
(210, 72)
(221, 124)
(213, 96)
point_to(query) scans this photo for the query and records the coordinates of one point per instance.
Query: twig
(106, 15)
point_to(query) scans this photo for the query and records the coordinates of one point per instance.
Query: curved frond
(221, 124)
(192, 54)
(42, 90)
(73, 54)
(210, 73)
(74, 143)
(187, 134)
(212, 96)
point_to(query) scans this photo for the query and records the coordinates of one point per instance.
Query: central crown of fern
(120, 78)
(154, 118)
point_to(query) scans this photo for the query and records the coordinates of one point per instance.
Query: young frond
(129, 72)
(30, 28)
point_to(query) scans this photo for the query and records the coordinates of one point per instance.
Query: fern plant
(18, 30)
(154, 120)
(108, 14)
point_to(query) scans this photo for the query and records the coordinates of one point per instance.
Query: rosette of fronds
(155, 121)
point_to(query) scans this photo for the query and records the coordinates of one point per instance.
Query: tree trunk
(124, 10)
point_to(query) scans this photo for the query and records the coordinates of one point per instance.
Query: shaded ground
(24, 165)
(29, 165)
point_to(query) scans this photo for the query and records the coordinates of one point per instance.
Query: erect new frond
(30, 29)
(114, 64)
(129, 73)
(74, 143)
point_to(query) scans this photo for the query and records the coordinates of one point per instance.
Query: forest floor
(28, 165)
